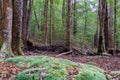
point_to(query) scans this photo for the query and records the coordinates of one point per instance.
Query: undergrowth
(48, 68)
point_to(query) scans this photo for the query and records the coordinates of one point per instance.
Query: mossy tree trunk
(75, 19)
(68, 22)
(45, 25)
(17, 27)
(103, 33)
(6, 29)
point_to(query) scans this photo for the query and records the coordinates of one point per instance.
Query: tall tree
(105, 24)
(27, 12)
(24, 21)
(111, 45)
(29, 17)
(51, 21)
(45, 25)
(103, 20)
(68, 23)
(74, 19)
(96, 34)
(17, 27)
(85, 17)
(115, 24)
(6, 28)
(63, 12)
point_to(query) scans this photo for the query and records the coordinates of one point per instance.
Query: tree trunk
(102, 18)
(63, 12)
(45, 26)
(85, 19)
(115, 24)
(27, 12)
(1, 3)
(96, 35)
(17, 27)
(36, 18)
(51, 22)
(6, 28)
(75, 20)
(29, 18)
(24, 22)
(106, 30)
(111, 27)
(68, 22)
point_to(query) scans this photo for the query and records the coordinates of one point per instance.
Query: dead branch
(65, 53)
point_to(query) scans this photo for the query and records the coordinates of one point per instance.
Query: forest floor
(108, 63)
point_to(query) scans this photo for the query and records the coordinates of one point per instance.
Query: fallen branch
(65, 53)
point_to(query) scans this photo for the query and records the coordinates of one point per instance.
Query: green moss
(90, 74)
(1, 44)
(6, 50)
(20, 52)
(54, 69)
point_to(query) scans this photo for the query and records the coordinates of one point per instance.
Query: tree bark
(105, 24)
(96, 35)
(64, 12)
(111, 44)
(51, 22)
(27, 12)
(29, 18)
(17, 27)
(102, 18)
(6, 28)
(1, 3)
(24, 22)
(115, 24)
(68, 22)
(45, 25)
(75, 20)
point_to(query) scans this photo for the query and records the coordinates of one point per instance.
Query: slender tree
(68, 22)
(51, 22)
(36, 17)
(27, 12)
(17, 27)
(24, 21)
(115, 24)
(74, 19)
(29, 17)
(111, 44)
(85, 18)
(96, 34)
(6, 28)
(63, 12)
(45, 25)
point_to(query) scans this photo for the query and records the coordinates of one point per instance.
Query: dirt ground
(108, 63)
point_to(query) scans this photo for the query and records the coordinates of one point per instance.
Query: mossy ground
(55, 69)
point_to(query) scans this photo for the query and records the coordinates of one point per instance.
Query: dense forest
(30, 30)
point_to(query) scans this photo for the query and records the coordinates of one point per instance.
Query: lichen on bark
(6, 29)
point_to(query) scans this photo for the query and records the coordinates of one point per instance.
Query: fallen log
(65, 53)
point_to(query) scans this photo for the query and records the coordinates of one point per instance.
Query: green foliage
(85, 8)
(54, 69)
(87, 74)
